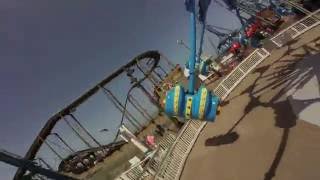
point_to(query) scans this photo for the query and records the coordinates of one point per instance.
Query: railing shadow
(285, 78)
(222, 139)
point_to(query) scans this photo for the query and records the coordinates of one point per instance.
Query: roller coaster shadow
(280, 80)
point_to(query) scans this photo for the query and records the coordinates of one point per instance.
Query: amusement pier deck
(258, 135)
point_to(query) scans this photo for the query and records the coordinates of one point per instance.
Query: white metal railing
(296, 29)
(151, 163)
(172, 166)
(163, 146)
(137, 171)
(240, 72)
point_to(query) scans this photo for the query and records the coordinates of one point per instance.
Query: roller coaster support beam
(52, 149)
(76, 132)
(84, 129)
(137, 108)
(135, 123)
(63, 141)
(140, 106)
(19, 162)
(45, 163)
(52, 121)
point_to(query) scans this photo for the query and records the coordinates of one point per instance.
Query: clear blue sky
(53, 50)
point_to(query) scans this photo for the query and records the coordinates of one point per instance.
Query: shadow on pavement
(222, 139)
(284, 78)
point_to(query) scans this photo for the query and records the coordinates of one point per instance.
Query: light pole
(181, 42)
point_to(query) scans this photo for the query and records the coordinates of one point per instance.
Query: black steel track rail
(46, 130)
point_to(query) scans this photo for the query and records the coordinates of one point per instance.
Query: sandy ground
(257, 135)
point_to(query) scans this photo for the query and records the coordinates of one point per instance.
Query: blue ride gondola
(192, 104)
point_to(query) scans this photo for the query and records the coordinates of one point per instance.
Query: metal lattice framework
(66, 114)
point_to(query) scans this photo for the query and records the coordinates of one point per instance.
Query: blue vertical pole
(201, 41)
(239, 16)
(192, 58)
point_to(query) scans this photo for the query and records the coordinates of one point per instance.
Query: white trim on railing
(241, 71)
(150, 164)
(307, 23)
(136, 171)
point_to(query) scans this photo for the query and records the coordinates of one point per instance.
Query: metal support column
(138, 109)
(76, 132)
(121, 108)
(52, 149)
(63, 141)
(17, 161)
(84, 129)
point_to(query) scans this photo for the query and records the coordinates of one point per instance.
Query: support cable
(84, 129)
(121, 108)
(76, 132)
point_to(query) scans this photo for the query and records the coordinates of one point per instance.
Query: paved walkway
(258, 134)
(305, 97)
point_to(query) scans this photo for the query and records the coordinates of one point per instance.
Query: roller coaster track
(171, 166)
(68, 110)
